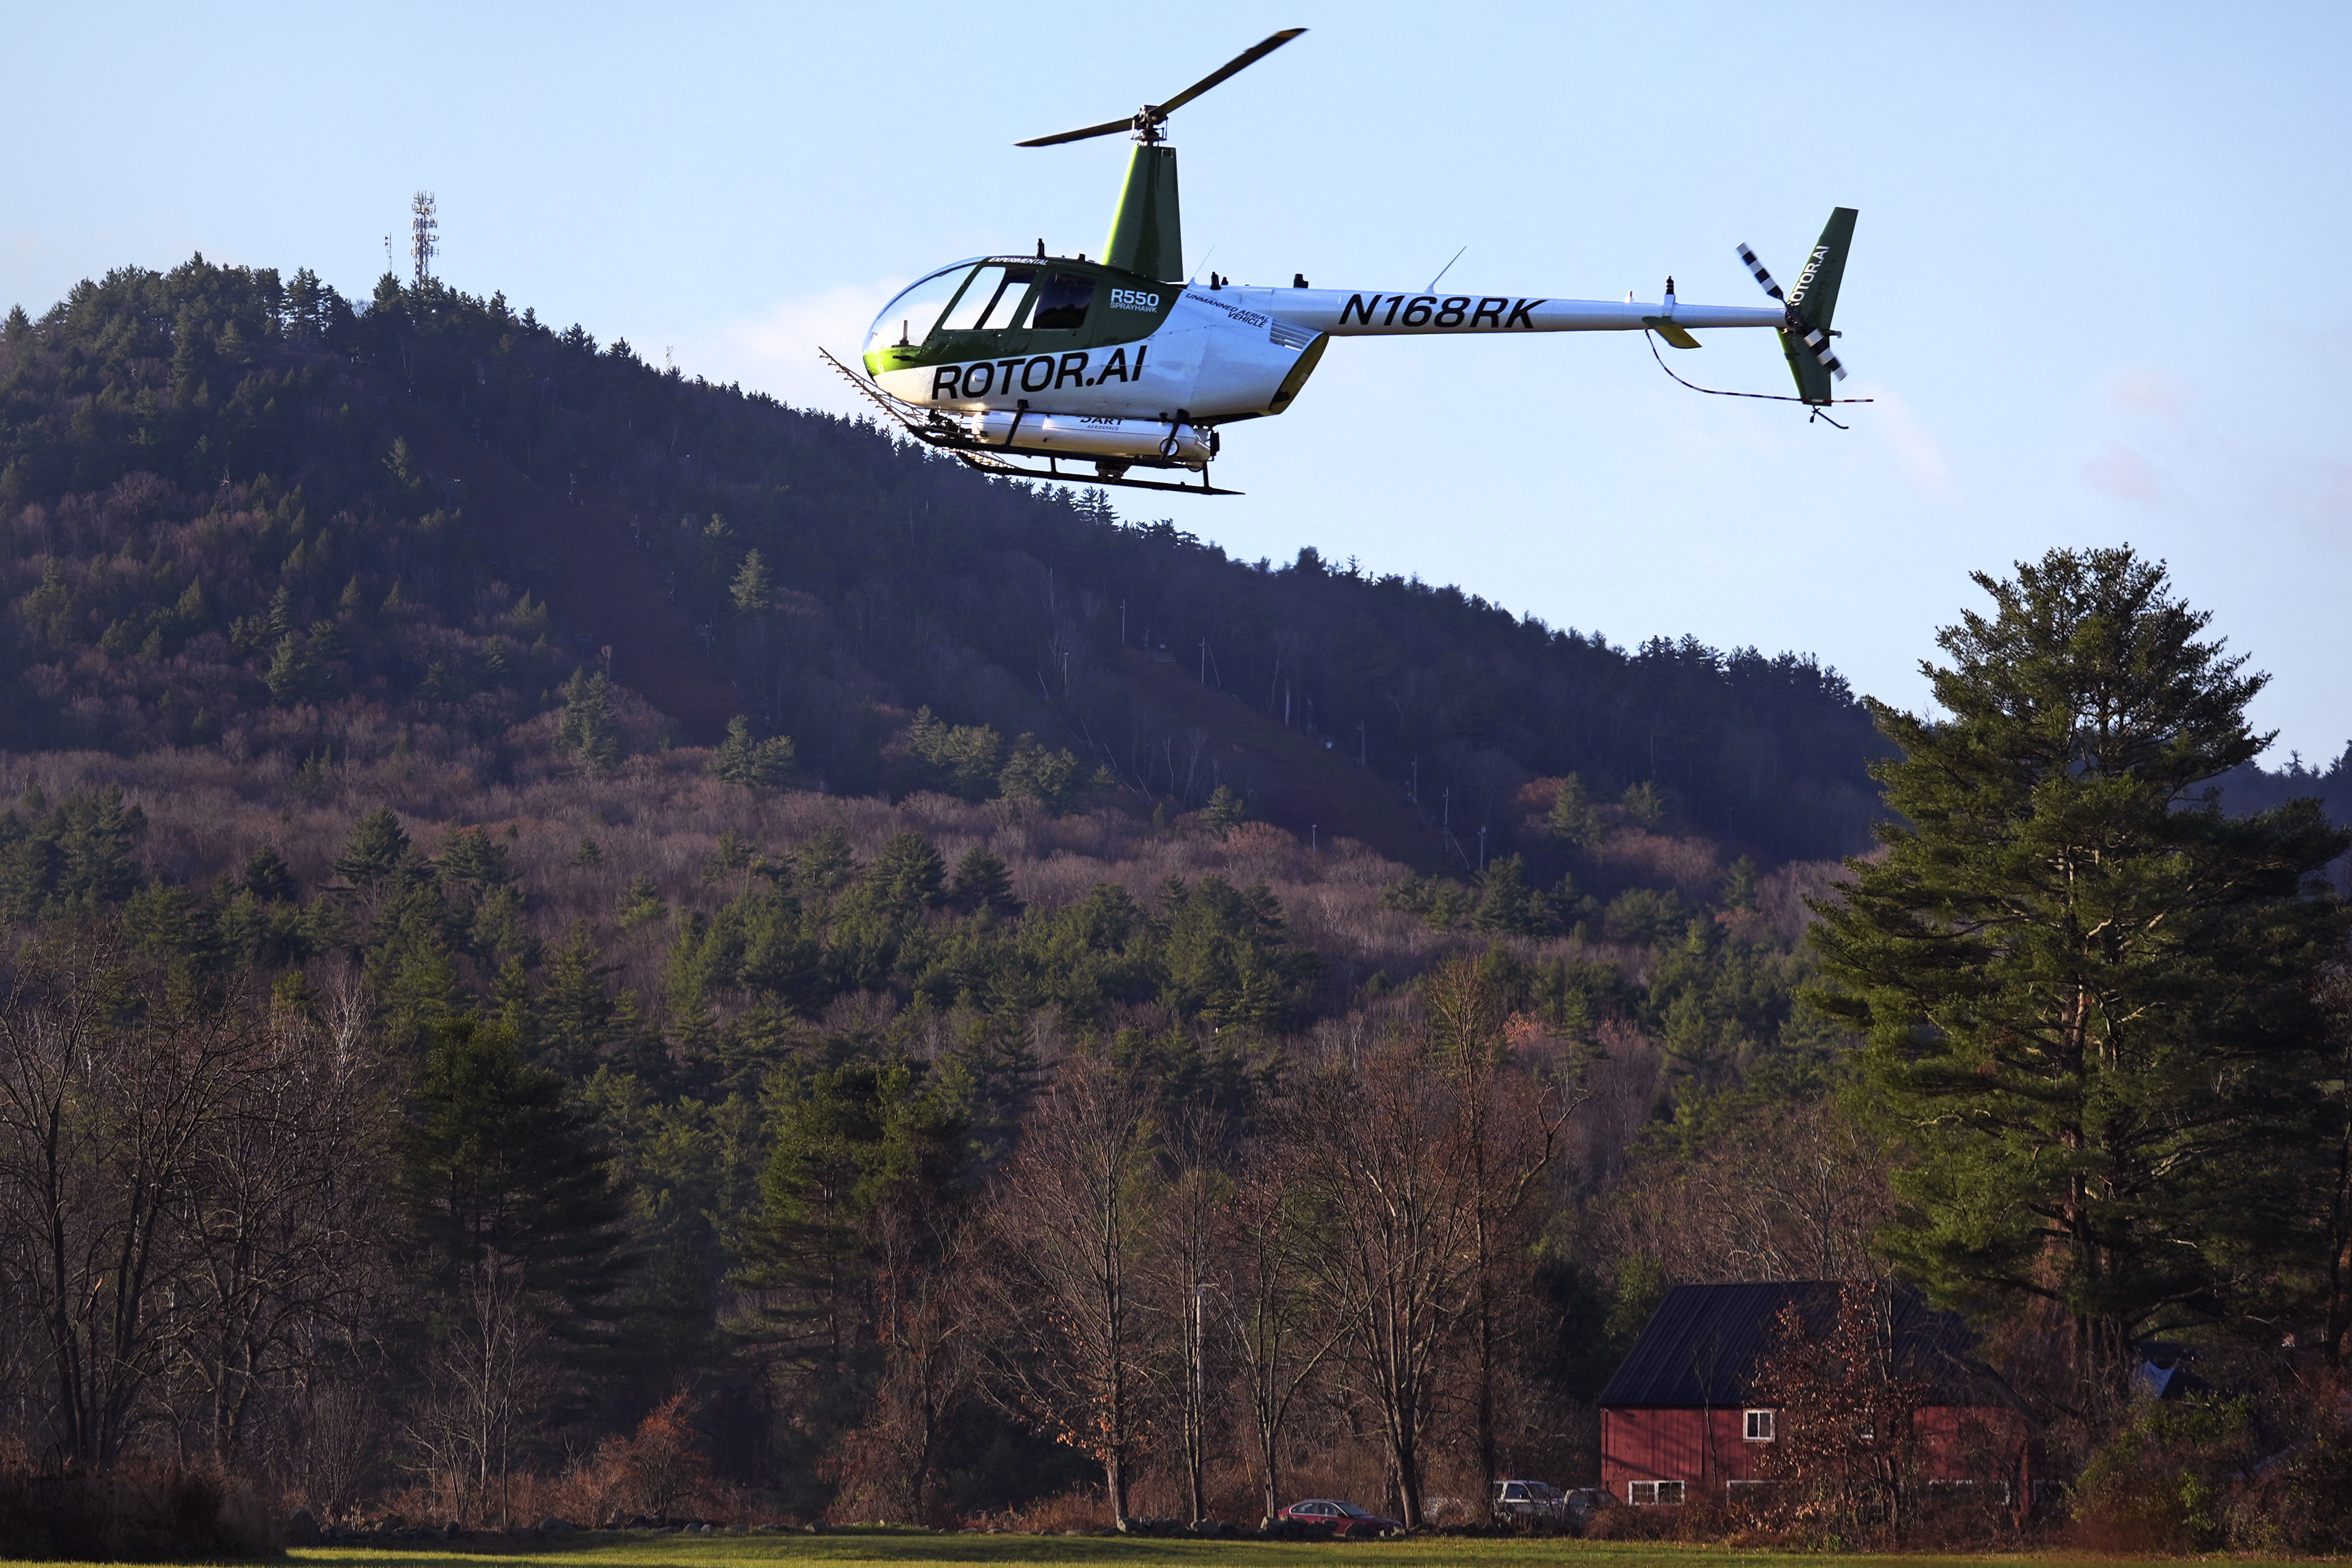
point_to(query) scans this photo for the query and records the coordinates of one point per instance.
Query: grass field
(884, 1548)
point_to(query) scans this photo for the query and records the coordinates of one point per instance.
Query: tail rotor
(1810, 307)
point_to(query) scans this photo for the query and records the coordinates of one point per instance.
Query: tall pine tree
(2087, 991)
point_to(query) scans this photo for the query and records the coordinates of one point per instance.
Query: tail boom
(1381, 313)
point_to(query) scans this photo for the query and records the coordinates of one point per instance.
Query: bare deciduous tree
(1197, 1192)
(1380, 1152)
(1791, 1191)
(925, 1317)
(1278, 1331)
(1072, 1230)
(1513, 1109)
(487, 1375)
(283, 1219)
(160, 1162)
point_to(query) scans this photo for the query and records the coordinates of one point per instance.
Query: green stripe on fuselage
(1125, 308)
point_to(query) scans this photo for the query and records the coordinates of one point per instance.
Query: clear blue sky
(2096, 287)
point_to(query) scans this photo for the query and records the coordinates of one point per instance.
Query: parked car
(1530, 1500)
(1344, 1517)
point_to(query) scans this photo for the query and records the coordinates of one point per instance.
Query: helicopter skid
(989, 457)
(988, 461)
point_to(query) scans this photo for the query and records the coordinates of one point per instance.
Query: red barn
(1682, 1410)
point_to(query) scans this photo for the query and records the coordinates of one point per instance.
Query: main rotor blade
(1105, 129)
(1245, 58)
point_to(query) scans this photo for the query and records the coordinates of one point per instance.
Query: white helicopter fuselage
(1227, 353)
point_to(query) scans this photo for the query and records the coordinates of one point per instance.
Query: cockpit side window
(991, 302)
(1063, 302)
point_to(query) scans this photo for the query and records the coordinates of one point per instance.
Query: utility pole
(1205, 661)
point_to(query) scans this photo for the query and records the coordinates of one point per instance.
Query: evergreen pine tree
(589, 729)
(470, 859)
(907, 876)
(1509, 904)
(1740, 884)
(982, 882)
(851, 1144)
(576, 1007)
(1224, 811)
(1576, 822)
(375, 850)
(754, 592)
(294, 674)
(497, 1165)
(1036, 771)
(756, 764)
(2087, 991)
(268, 877)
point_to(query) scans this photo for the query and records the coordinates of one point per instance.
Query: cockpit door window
(991, 302)
(1063, 302)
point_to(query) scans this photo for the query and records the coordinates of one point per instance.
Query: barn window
(1650, 1493)
(1760, 1425)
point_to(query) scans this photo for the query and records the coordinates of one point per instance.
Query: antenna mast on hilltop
(422, 226)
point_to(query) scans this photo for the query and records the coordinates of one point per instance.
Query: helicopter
(1126, 362)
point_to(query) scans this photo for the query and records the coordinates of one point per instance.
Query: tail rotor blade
(1763, 278)
(1819, 342)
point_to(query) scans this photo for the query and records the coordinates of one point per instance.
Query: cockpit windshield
(909, 318)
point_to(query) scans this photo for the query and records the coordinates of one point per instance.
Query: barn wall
(1671, 1445)
(1652, 1444)
(1965, 1443)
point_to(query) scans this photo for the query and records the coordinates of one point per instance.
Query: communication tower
(422, 226)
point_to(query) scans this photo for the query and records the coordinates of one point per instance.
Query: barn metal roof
(1704, 1342)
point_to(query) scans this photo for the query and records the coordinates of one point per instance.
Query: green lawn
(883, 1548)
(916, 1548)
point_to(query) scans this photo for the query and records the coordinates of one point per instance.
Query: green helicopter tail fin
(1813, 301)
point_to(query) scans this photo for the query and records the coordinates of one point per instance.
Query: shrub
(153, 1516)
(2158, 1485)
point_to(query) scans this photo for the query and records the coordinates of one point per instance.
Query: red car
(1344, 1517)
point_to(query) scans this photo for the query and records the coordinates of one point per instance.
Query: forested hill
(245, 511)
